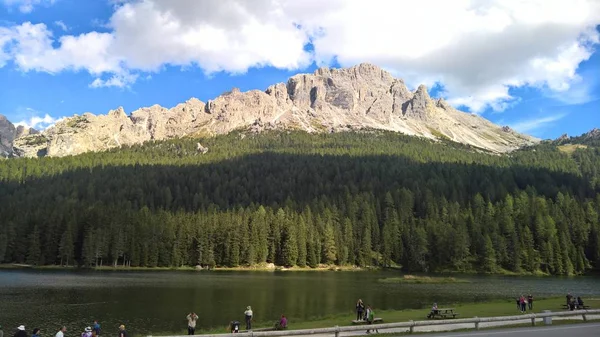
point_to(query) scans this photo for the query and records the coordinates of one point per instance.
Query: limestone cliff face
(8, 133)
(363, 96)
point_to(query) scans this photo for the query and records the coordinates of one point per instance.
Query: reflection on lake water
(157, 302)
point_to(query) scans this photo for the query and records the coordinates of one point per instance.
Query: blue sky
(64, 57)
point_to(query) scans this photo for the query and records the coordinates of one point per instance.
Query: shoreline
(273, 268)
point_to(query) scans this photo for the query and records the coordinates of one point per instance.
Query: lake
(157, 302)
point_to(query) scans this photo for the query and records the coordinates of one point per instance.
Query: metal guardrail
(410, 324)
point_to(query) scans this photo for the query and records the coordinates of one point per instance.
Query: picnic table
(362, 321)
(444, 313)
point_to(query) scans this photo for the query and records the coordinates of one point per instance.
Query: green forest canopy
(292, 198)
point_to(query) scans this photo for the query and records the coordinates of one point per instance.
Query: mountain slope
(363, 96)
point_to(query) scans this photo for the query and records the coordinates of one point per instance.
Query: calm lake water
(157, 302)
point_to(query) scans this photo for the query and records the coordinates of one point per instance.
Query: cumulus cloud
(26, 6)
(39, 122)
(477, 50)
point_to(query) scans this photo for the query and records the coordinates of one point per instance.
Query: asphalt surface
(579, 330)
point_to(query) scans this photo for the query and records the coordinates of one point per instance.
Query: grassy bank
(467, 310)
(412, 279)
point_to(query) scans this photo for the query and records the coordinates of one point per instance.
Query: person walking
(248, 314)
(61, 332)
(122, 331)
(371, 319)
(192, 318)
(530, 301)
(96, 328)
(36, 332)
(360, 308)
(20, 331)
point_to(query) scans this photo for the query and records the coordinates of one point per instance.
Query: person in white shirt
(61, 332)
(192, 318)
(248, 314)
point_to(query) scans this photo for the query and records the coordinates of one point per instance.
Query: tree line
(294, 199)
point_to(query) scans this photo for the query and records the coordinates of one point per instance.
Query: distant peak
(117, 113)
(422, 92)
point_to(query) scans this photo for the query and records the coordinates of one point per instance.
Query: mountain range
(329, 100)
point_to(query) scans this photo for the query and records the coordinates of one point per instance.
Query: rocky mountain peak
(117, 113)
(7, 135)
(330, 99)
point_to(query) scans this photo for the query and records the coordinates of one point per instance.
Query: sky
(533, 65)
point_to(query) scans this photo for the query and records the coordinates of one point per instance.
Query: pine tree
(302, 251)
(290, 246)
(329, 248)
(35, 253)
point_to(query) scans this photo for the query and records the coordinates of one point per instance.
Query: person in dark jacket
(360, 309)
(122, 331)
(20, 331)
(36, 332)
(530, 301)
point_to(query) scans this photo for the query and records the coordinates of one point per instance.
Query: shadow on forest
(274, 179)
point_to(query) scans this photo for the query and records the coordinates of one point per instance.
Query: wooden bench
(443, 313)
(361, 322)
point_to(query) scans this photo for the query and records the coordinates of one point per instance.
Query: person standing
(569, 297)
(192, 318)
(20, 331)
(36, 332)
(360, 308)
(248, 314)
(96, 327)
(61, 332)
(122, 331)
(523, 305)
(530, 301)
(1, 331)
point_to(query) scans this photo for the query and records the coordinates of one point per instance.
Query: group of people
(365, 313)
(524, 302)
(90, 331)
(574, 303)
(234, 326)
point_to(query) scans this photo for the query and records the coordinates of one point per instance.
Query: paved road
(579, 330)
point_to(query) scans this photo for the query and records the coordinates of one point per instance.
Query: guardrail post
(533, 320)
(412, 327)
(584, 317)
(337, 331)
(476, 323)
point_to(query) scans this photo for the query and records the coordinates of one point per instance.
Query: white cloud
(117, 80)
(31, 48)
(530, 125)
(26, 6)
(62, 25)
(39, 122)
(476, 49)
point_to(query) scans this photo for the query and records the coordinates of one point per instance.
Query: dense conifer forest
(298, 199)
